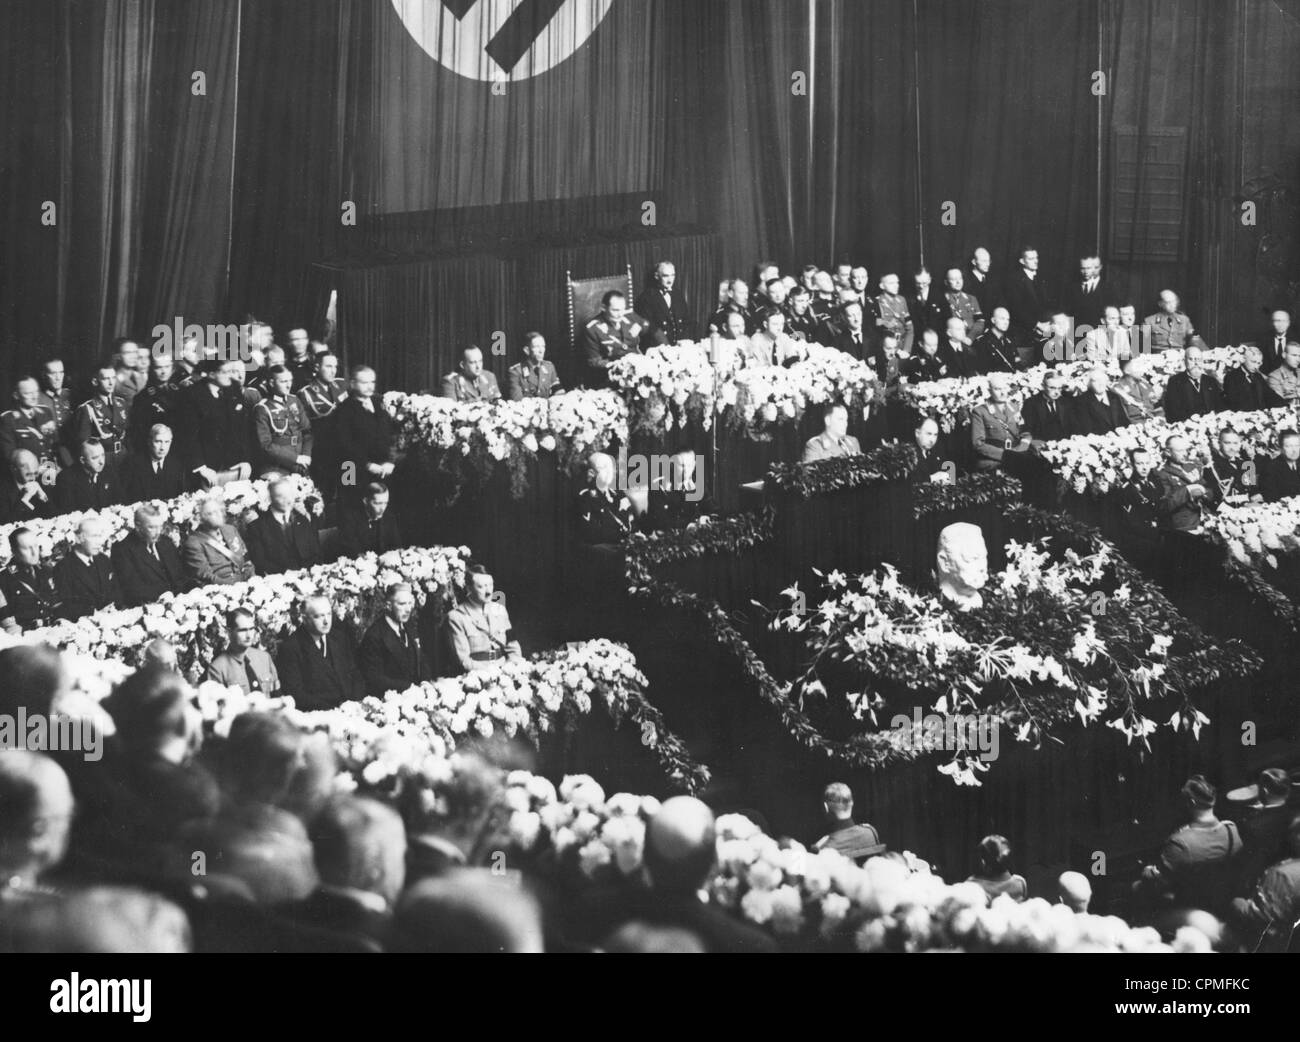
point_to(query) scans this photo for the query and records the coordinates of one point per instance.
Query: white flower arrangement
(1256, 532)
(56, 536)
(1099, 462)
(760, 398)
(574, 422)
(679, 376)
(194, 621)
(513, 697)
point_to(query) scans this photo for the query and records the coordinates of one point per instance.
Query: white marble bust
(962, 565)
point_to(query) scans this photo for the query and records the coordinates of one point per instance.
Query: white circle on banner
(500, 40)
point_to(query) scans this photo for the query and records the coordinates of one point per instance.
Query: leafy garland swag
(1145, 614)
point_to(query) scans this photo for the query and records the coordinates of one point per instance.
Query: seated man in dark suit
(84, 578)
(677, 499)
(1046, 415)
(1246, 388)
(956, 351)
(371, 527)
(859, 340)
(858, 842)
(391, 656)
(88, 484)
(1280, 477)
(1100, 410)
(316, 664)
(156, 473)
(214, 551)
(930, 465)
(22, 496)
(146, 564)
(1192, 392)
(283, 538)
(360, 848)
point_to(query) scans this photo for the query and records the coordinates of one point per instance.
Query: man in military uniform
(925, 365)
(1139, 500)
(132, 370)
(737, 299)
(480, 625)
(470, 382)
(28, 598)
(58, 399)
(996, 427)
(835, 439)
(319, 399)
(283, 430)
(996, 350)
(104, 417)
(800, 322)
(322, 396)
(155, 404)
(894, 314)
(1169, 326)
(608, 337)
(1185, 492)
(1236, 477)
(605, 515)
(960, 304)
(300, 359)
(30, 426)
(664, 309)
(534, 377)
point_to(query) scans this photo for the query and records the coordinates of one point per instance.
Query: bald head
(680, 845)
(35, 813)
(1074, 891)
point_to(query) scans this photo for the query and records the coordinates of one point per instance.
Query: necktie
(324, 652)
(157, 466)
(1051, 408)
(153, 550)
(253, 683)
(668, 299)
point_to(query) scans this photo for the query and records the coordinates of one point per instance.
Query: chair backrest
(584, 297)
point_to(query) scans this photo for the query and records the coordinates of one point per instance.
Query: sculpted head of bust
(962, 564)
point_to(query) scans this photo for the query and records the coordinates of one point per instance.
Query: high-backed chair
(584, 301)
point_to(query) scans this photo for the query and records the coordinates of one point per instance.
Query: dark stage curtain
(288, 192)
(186, 216)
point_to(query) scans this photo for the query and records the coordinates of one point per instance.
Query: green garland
(1203, 664)
(929, 497)
(721, 535)
(805, 480)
